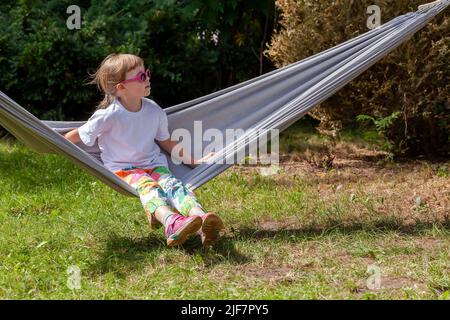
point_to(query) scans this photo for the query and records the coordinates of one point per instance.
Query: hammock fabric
(272, 101)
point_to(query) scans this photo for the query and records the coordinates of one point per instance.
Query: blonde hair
(112, 71)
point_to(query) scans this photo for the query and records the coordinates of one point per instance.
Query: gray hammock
(272, 101)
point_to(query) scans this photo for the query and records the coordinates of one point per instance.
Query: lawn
(340, 223)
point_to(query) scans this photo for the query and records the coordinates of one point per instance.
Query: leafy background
(196, 47)
(192, 47)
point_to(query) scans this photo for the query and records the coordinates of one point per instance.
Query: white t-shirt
(127, 138)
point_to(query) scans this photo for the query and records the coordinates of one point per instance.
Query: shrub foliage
(411, 83)
(193, 48)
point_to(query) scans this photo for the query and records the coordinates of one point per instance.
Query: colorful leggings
(159, 187)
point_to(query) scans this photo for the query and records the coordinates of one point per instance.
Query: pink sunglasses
(142, 76)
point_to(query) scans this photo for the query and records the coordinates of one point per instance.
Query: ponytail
(107, 100)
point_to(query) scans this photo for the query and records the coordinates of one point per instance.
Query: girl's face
(135, 88)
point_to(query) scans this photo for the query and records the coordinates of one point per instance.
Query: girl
(130, 129)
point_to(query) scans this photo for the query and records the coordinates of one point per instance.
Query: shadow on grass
(224, 251)
(34, 172)
(125, 254)
(122, 254)
(306, 233)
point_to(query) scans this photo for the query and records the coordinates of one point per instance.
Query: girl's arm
(73, 136)
(168, 145)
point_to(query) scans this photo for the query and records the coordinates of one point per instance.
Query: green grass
(284, 239)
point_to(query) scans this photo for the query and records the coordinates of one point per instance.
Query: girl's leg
(152, 196)
(157, 208)
(181, 197)
(184, 200)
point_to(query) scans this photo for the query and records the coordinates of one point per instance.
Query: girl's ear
(120, 87)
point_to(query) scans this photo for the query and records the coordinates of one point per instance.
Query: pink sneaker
(180, 227)
(210, 231)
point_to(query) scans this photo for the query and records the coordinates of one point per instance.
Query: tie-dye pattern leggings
(159, 187)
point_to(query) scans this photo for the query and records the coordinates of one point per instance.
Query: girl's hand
(204, 159)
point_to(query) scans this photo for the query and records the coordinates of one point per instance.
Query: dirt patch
(429, 244)
(273, 274)
(274, 225)
(394, 283)
(411, 191)
(391, 284)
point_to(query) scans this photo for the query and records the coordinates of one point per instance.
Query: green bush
(44, 66)
(412, 82)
